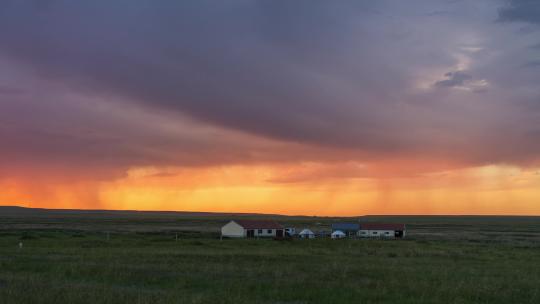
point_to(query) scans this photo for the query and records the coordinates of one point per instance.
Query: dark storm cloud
(532, 64)
(439, 13)
(9, 90)
(66, 140)
(454, 79)
(338, 75)
(535, 46)
(521, 10)
(263, 67)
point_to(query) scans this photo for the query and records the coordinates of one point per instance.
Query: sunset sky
(291, 107)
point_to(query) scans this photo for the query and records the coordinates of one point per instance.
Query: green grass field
(63, 260)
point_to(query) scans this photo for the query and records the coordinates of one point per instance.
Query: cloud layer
(105, 86)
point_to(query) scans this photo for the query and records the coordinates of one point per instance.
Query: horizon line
(266, 214)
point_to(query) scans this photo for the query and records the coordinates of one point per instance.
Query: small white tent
(338, 234)
(306, 234)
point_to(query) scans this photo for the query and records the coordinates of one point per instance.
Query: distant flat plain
(74, 256)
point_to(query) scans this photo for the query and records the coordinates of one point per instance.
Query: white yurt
(338, 234)
(306, 234)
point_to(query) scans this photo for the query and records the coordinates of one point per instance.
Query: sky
(290, 107)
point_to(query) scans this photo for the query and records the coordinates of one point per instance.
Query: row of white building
(268, 228)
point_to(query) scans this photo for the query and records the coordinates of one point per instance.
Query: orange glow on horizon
(304, 189)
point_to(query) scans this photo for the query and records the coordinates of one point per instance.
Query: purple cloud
(342, 76)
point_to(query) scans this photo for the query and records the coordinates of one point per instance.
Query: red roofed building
(381, 230)
(252, 229)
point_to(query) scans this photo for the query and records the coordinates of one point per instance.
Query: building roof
(345, 226)
(338, 232)
(258, 224)
(306, 232)
(381, 226)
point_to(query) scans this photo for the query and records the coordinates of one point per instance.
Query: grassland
(137, 258)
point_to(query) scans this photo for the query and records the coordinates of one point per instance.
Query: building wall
(350, 233)
(232, 229)
(265, 232)
(377, 233)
